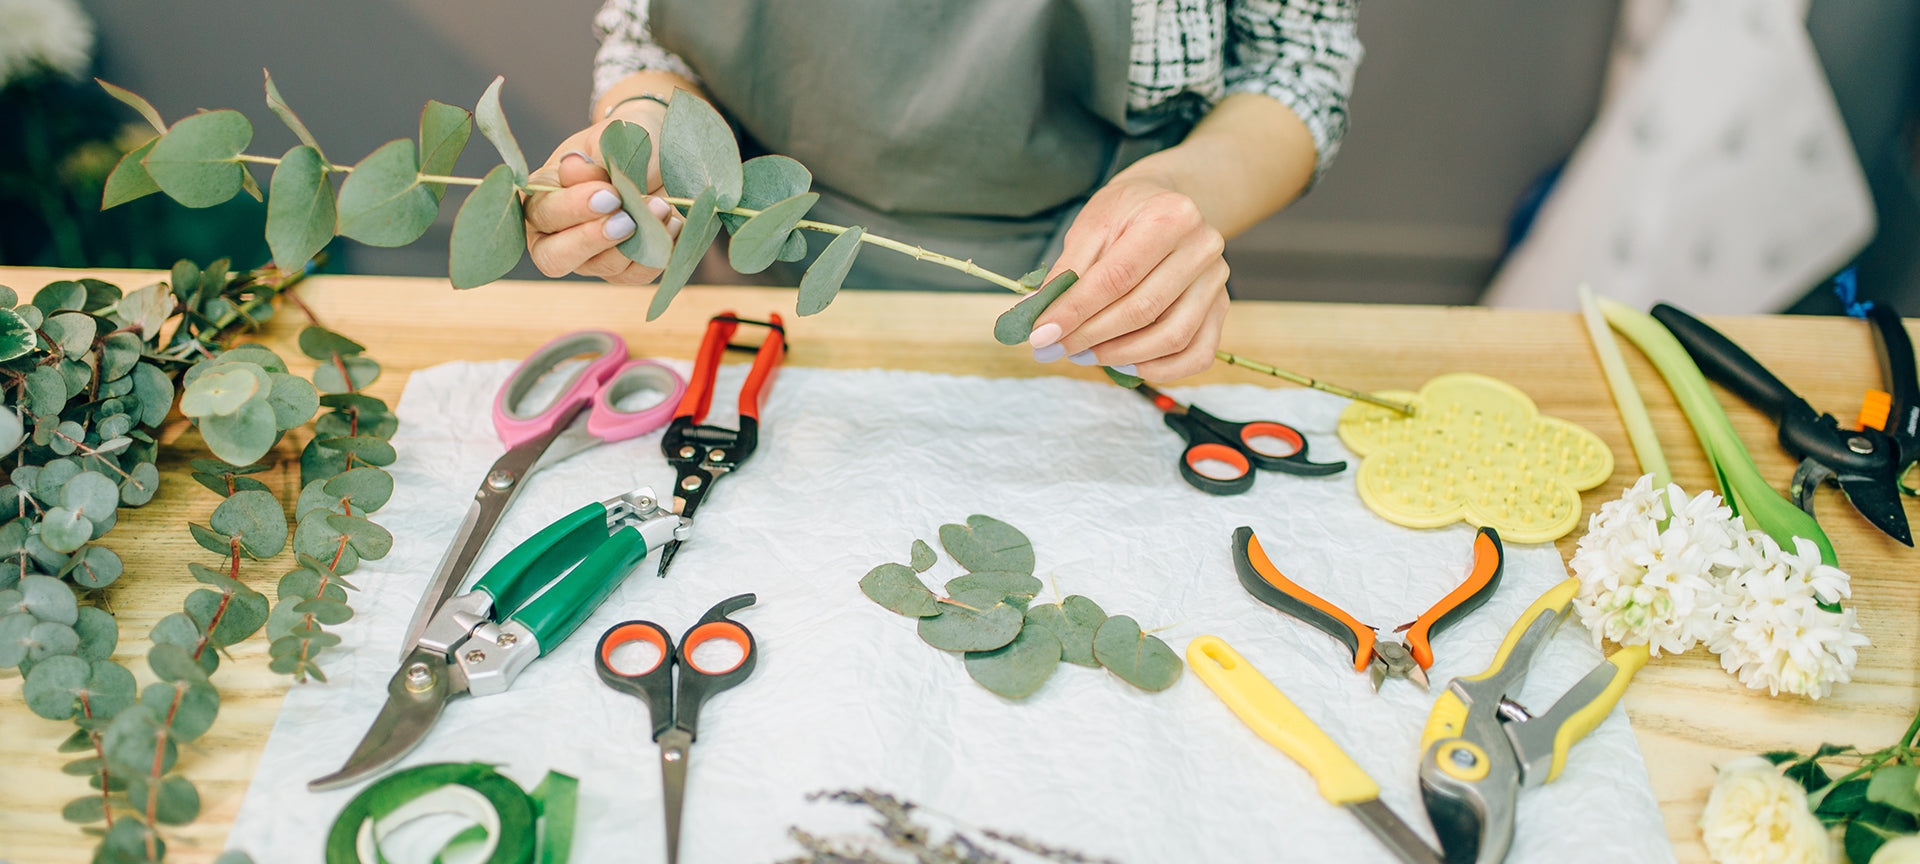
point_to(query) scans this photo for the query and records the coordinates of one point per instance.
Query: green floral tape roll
(506, 817)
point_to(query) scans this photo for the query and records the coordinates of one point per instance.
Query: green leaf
(209, 539)
(361, 371)
(65, 530)
(325, 610)
(444, 130)
(367, 489)
(99, 632)
(795, 248)
(1808, 774)
(83, 767)
(118, 354)
(143, 480)
(1139, 659)
(96, 567)
(1016, 324)
(172, 662)
(898, 588)
(1018, 588)
(53, 687)
(79, 741)
(765, 180)
(221, 393)
(155, 392)
(489, 232)
(695, 236)
(51, 639)
(921, 557)
(126, 843)
(109, 690)
(301, 212)
(625, 149)
(47, 391)
(315, 537)
(16, 338)
(91, 494)
(252, 353)
(1122, 378)
(256, 518)
(1018, 668)
(173, 799)
(242, 437)
(1893, 786)
(60, 296)
(220, 581)
(197, 705)
(283, 111)
(181, 630)
(1865, 834)
(53, 477)
(293, 400)
(758, 242)
(366, 538)
(493, 125)
(321, 344)
(986, 543)
(1843, 800)
(1075, 621)
(66, 437)
(364, 448)
(244, 613)
(1033, 278)
(195, 164)
(76, 331)
(89, 808)
(48, 599)
(382, 203)
(137, 103)
(821, 282)
(16, 637)
(699, 152)
(135, 738)
(972, 621)
(129, 179)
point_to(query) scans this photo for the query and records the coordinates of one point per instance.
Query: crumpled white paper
(852, 467)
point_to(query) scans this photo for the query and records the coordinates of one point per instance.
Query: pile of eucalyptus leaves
(89, 377)
(1010, 645)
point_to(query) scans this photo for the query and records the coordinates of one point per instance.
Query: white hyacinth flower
(1644, 583)
(1780, 638)
(35, 34)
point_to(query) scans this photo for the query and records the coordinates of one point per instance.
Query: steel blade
(1394, 833)
(674, 744)
(1878, 499)
(415, 695)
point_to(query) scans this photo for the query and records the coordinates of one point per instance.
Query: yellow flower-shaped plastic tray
(1476, 449)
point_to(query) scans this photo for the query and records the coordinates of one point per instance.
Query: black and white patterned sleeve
(1301, 52)
(627, 46)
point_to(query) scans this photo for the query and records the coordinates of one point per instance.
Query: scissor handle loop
(725, 631)
(653, 685)
(766, 364)
(1209, 451)
(518, 424)
(609, 422)
(697, 685)
(1262, 430)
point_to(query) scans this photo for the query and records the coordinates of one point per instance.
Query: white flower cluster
(54, 34)
(1661, 570)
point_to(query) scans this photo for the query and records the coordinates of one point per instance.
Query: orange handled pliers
(1402, 656)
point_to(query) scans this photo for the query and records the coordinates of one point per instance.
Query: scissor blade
(1878, 499)
(674, 744)
(498, 487)
(1394, 833)
(415, 695)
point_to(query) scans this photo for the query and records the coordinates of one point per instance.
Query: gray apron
(973, 128)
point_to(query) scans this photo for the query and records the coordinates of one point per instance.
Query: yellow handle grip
(1555, 598)
(1270, 715)
(1626, 661)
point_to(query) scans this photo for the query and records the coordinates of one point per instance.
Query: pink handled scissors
(586, 370)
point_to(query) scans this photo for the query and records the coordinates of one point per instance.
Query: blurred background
(1461, 115)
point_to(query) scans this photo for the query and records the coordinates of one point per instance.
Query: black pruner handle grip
(1897, 363)
(1728, 364)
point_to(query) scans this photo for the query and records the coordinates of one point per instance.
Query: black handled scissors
(1241, 447)
(675, 707)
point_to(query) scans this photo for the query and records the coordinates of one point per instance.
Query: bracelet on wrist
(648, 97)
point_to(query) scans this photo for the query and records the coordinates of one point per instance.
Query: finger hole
(1217, 462)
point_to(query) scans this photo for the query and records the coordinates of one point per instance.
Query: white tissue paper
(852, 467)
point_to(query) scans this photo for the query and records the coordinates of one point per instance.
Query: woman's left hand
(1152, 293)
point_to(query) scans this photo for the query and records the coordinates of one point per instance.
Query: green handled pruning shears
(479, 642)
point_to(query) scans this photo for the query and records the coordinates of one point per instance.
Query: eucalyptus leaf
(758, 243)
(986, 543)
(60, 296)
(364, 448)
(253, 354)
(921, 557)
(239, 614)
(141, 484)
(821, 282)
(95, 567)
(65, 530)
(129, 179)
(1016, 324)
(136, 102)
(195, 162)
(1018, 668)
(489, 232)
(83, 767)
(361, 372)
(47, 391)
(366, 489)
(135, 739)
(444, 130)
(91, 494)
(366, 538)
(765, 180)
(181, 630)
(242, 437)
(1122, 378)
(54, 476)
(209, 539)
(130, 842)
(972, 621)
(1139, 659)
(383, 203)
(12, 431)
(110, 689)
(16, 338)
(698, 151)
(321, 344)
(155, 391)
(282, 110)
(85, 809)
(192, 703)
(1075, 621)
(314, 497)
(173, 662)
(51, 639)
(76, 330)
(67, 437)
(695, 236)
(293, 400)
(315, 537)
(625, 150)
(98, 631)
(221, 392)
(898, 588)
(493, 125)
(301, 213)
(250, 185)
(325, 610)
(16, 638)
(172, 799)
(80, 740)
(222, 582)
(53, 687)
(118, 353)
(256, 518)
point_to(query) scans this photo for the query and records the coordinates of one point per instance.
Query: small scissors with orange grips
(1407, 656)
(674, 706)
(1239, 447)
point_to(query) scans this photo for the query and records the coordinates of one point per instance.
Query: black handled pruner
(1866, 462)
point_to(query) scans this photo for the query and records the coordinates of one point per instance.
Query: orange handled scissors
(1237, 447)
(674, 706)
(1406, 657)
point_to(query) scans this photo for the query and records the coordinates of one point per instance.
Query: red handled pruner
(701, 453)
(1407, 656)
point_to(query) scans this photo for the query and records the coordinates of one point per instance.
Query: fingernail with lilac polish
(583, 157)
(1044, 335)
(659, 208)
(1125, 370)
(618, 226)
(604, 201)
(1084, 358)
(1049, 353)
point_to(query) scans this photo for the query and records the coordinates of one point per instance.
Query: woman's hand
(1152, 293)
(575, 229)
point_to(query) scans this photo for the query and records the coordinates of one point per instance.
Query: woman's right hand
(575, 229)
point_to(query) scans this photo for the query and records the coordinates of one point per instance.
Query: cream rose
(1755, 815)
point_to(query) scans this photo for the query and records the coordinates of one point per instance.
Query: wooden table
(1687, 713)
